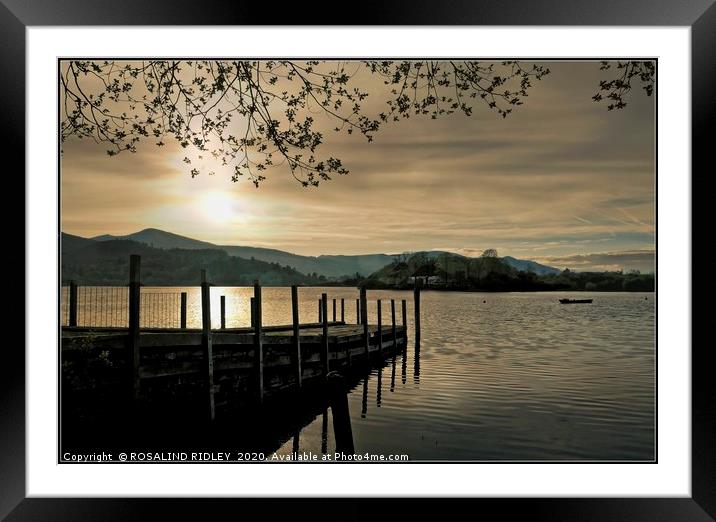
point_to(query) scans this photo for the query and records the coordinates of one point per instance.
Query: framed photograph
(444, 257)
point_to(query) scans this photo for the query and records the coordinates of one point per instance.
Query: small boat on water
(574, 301)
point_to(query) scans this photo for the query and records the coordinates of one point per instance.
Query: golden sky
(561, 180)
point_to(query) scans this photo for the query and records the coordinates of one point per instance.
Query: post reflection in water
(324, 432)
(380, 386)
(364, 409)
(404, 369)
(392, 376)
(416, 371)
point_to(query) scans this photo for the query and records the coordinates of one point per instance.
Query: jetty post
(73, 304)
(392, 320)
(364, 320)
(324, 431)
(404, 310)
(334, 309)
(338, 398)
(324, 337)
(296, 334)
(380, 327)
(206, 341)
(133, 326)
(258, 342)
(296, 441)
(416, 297)
(357, 311)
(343, 310)
(182, 311)
(223, 312)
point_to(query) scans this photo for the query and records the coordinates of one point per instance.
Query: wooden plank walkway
(172, 359)
(75, 338)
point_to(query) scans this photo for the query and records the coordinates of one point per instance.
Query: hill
(328, 265)
(454, 272)
(71, 243)
(107, 263)
(332, 267)
(159, 239)
(530, 266)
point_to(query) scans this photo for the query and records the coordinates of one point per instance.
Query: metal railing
(108, 307)
(100, 306)
(160, 310)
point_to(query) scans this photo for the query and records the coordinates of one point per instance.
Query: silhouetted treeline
(632, 281)
(454, 272)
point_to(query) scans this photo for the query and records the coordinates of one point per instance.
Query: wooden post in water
(380, 327)
(223, 312)
(404, 306)
(357, 311)
(258, 343)
(182, 311)
(133, 330)
(296, 439)
(343, 320)
(392, 320)
(296, 335)
(416, 304)
(72, 321)
(324, 338)
(334, 309)
(324, 432)
(338, 397)
(364, 320)
(253, 313)
(207, 341)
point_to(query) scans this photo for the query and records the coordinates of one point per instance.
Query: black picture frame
(699, 15)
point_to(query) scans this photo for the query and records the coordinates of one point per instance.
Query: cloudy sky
(561, 181)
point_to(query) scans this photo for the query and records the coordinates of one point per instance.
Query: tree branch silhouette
(617, 89)
(251, 115)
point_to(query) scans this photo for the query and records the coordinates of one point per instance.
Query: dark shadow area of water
(123, 426)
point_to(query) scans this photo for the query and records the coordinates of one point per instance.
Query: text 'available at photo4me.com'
(228, 456)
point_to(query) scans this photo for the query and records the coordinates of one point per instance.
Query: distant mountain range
(327, 265)
(330, 266)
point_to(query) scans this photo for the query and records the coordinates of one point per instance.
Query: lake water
(509, 376)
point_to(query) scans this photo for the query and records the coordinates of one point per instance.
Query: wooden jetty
(223, 369)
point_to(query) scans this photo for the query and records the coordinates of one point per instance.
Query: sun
(218, 206)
